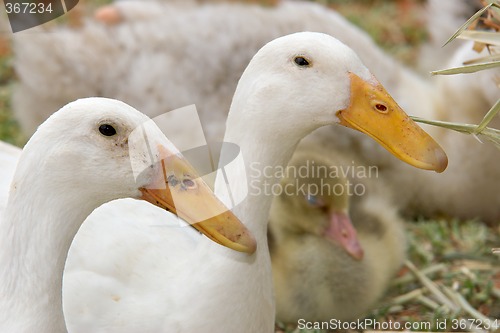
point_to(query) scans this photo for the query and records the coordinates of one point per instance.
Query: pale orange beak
(178, 189)
(374, 112)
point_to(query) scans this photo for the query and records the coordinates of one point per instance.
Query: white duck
(336, 241)
(81, 157)
(293, 85)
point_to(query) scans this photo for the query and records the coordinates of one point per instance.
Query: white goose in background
(164, 56)
(78, 160)
(293, 85)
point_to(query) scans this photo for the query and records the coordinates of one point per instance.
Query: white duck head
(308, 80)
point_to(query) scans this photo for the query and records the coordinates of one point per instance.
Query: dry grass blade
(488, 133)
(481, 60)
(468, 68)
(432, 287)
(492, 135)
(427, 271)
(401, 299)
(459, 299)
(488, 117)
(469, 22)
(486, 37)
(459, 127)
(428, 302)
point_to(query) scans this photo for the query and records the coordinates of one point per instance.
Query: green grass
(397, 27)
(461, 253)
(9, 128)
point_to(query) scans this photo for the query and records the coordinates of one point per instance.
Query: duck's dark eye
(107, 130)
(301, 61)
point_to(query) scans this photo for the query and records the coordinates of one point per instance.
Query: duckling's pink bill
(341, 231)
(178, 189)
(374, 112)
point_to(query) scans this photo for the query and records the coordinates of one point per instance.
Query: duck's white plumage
(200, 287)
(83, 156)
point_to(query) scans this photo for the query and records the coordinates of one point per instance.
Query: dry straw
(490, 40)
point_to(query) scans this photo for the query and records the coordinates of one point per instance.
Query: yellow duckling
(336, 241)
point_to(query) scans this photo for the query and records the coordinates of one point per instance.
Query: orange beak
(374, 112)
(178, 189)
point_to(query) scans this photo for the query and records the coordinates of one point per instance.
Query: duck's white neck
(262, 159)
(41, 219)
(247, 279)
(252, 126)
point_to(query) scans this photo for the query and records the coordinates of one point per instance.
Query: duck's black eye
(107, 130)
(301, 61)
